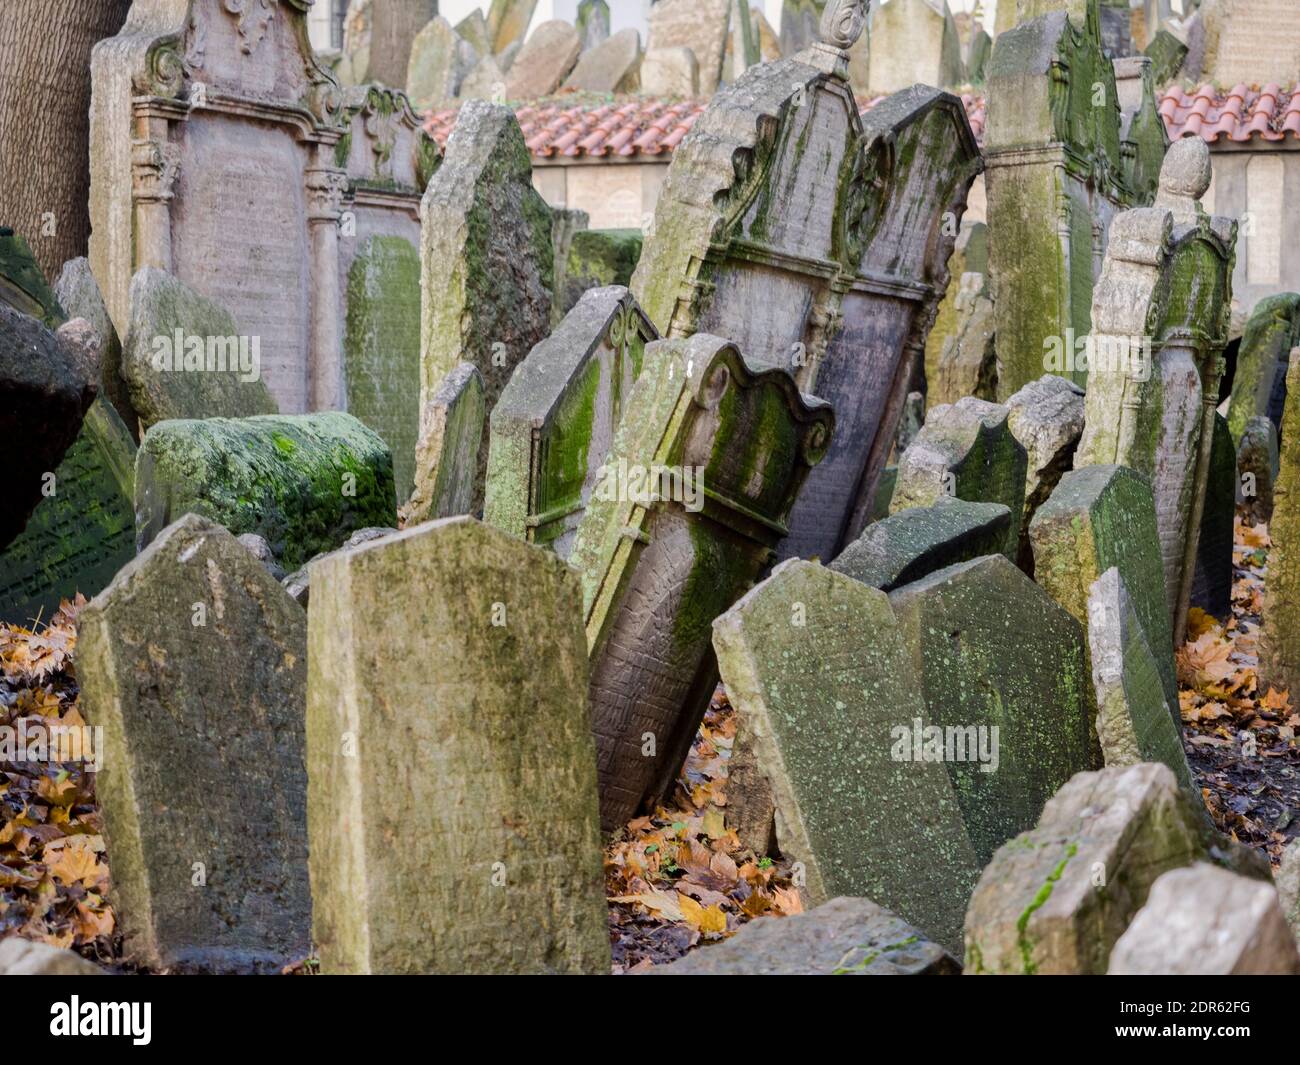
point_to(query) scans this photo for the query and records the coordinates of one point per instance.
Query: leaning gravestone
(554, 424)
(446, 458)
(696, 493)
(822, 683)
(545, 60)
(1002, 669)
(487, 258)
(970, 255)
(1279, 646)
(701, 26)
(22, 283)
(1134, 722)
(508, 22)
(216, 135)
(1212, 578)
(1258, 460)
(378, 36)
(914, 41)
(967, 363)
(440, 61)
(612, 66)
(303, 482)
(184, 356)
(1259, 383)
(1058, 172)
(966, 451)
(592, 23)
(425, 693)
(817, 240)
(799, 22)
(78, 293)
(194, 662)
(1161, 314)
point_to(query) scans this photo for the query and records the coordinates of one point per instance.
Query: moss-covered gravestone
(1258, 461)
(1002, 666)
(184, 356)
(79, 294)
(1134, 722)
(817, 240)
(446, 458)
(823, 685)
(970, 256)
(448, 677)
(22, 284)
(1259, 383)
(554, 424)
(1161, 314)
(1099, 518)
(194, 662)
(598, 257)
(487, 258)
(1059, 169)
(1279, 647)
(303, 482)
(695, 495)
(912, 543)
(1212, 579)
(965, 450)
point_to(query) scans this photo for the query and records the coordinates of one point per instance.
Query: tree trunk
(45, 48)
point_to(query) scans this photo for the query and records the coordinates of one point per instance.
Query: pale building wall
(615, 195)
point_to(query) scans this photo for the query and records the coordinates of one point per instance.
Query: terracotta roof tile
(1242, 113)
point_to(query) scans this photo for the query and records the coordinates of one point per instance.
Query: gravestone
(969, 256)
(995, 653)
(425, 693)
(1250, 41)
(1279, 645)
(1258, 461)
(22, 283)
(446, 459)
(967, 451)
(554, 424)
(303, 482)
(913, 543)
(1167, 54)
(914, 42)
(378, 37)
(1135, 721)
(817, 239)
(597, 258)
(1058, 172)
(474, 29)
(670, 72)
(696, 493)
(701, 26)
(194, 662)
(440, 60)
(487, 81)
(592, 23)
(612, 66)
(1259, 382)
(978, 50)
(185, 357)
(508, 22)
(215, 132)
(817, 670)
(742, 48)
(1134, 823)
(1161, 313)
(545, 60)
(487, 259)
(78, 293)
(1212, 577)
(1047, 418)
(967, 363)
(799, 24)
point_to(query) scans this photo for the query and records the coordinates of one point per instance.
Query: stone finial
(1184, 179)
(842, 23)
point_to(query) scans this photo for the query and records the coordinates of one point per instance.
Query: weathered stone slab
(474, 28)
(970, 255)
(508, 22)
(742, 48)
(298, 583)
(554, 425)
(425, 693)
(698, 487)
(378, 38)
(1258, 463)
(701, 26)
(1279, 645)
(978, 50)
(670, 73)
(1212, 578)
(216, 133)
(546, 59)
(303, 482)
(1259, 382)
(78, 293)
(194, 662)
(1247, 41)
(1039, 907)
(823, 686)
(1167, 54)
(845, 936)
(799, 24)
(1047, 418)
(440, 60)
(77, 539)
(1206, 921)
(914, 42)
(487, 259)
(965, 450)
(22, 284)
(592, 23)
(22, 957)
(185, 357)
(1135, 721)
(613, 65)
(446, 460)
(598, 257)
(915, 542)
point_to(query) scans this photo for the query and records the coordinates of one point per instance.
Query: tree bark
(45, 48)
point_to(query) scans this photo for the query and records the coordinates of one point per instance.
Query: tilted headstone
(487, 258)
(1135, 721)
(696, 493)
(78, 293)
(592, 22)
(670, 72)
(1099, 518)
(1160, 315)
(185, 357)
(817, 239)
(613, 66)
(22, 283)
(978, 50)
(914, 42)
(474, 29)
(1279, 645)
(508, 22)
(1167, 54)
(1047, 418)
(215, 133)
(487, 81)
(799, 22)
(597, 258)
(916, 542)
(826, 697)
(967, 363)
(742, 49)
(304, 482)
(1131, 825)
(1212, 576)
(970, 255)
(194, 662)
(1142, 131)
(440, 61)
(545, 60)
(378, 36)
(967, 451)
(701, 26)
(769, 41)
(1259, 382)
(554, 424)
(446, 459)
(1258, 464)
(1250, 41)
(1206, 921)
(426, 691)
(1002, 667)
(1058, 172)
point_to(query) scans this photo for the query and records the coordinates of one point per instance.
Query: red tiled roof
(1240, 114)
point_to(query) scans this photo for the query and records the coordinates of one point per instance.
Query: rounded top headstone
(1186, 170)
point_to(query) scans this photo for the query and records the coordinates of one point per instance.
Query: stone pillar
(155, 163)
(325, 188)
